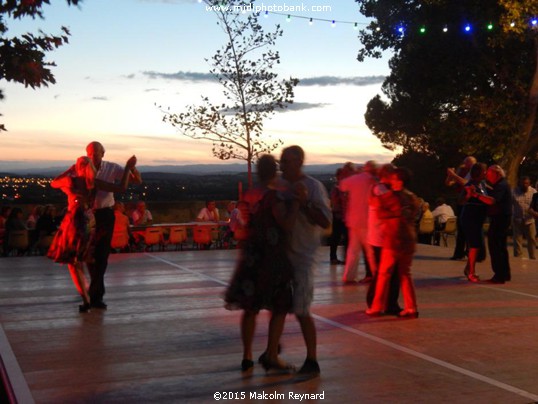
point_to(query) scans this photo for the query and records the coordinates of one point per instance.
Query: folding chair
(201, 235)
(426, 227)
(449, 230)
(18, 240)
(153, 236)
(120, 240)
(177, 236)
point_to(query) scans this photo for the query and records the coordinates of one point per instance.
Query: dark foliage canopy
(23, 58)
(450, 92)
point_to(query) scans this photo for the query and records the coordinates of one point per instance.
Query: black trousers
(339, 232)
(461, 247)
(104, 228)
(394, 287)
(498, 248)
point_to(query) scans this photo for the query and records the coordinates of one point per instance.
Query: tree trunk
(249, 173)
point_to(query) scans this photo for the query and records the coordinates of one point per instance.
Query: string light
(400, 29)
(311, 20)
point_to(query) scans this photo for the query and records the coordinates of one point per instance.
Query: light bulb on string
(401, 30)
(512, 24)
(467, 28)
(534, 22)
(288, 19)
(355, 26)
(266, 14)
(333, 24)
(490, 26)
(445, 29)
(422, 30)
(311, 22)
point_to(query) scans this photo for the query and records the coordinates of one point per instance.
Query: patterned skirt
(73, 242)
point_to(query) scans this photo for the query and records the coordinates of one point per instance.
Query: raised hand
(131, 163)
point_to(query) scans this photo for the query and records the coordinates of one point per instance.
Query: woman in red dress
(72, 243)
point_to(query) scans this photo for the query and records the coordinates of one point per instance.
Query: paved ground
(166, 338)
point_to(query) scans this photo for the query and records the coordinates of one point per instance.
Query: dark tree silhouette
(452, 92)
(22, 59)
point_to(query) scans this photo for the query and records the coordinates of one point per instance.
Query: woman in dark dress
(473, 216)
(263, 278)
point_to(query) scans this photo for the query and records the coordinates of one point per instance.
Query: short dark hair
(266, 167)
(404, 175)
(477, 170)
(297, 151)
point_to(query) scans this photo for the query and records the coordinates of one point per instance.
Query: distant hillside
(193, 169)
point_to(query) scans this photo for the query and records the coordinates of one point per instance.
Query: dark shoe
(457, 258)
(366, 279)
(246, 364)
(310, 367)
(408, 313)
(99, 305)
(337, 262)
(394, 311)
(263, 356)
(282, 367)
(84, 308)
(496, 281)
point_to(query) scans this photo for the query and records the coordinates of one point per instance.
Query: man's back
(358, 189)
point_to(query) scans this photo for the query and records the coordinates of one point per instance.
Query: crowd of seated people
(39, 224)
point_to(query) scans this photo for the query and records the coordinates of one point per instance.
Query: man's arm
(317, 209)
(124, 183)
(533, 209)
(452, 178)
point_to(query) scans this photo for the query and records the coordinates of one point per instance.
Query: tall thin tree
(244, 68)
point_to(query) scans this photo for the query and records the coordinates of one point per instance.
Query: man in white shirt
(208, 214)
(358, 188)
(141, 216)
(103, 207)
(440, 214)
(314, 215)
(522, 218)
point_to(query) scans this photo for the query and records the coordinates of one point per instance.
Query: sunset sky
(125, 56)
